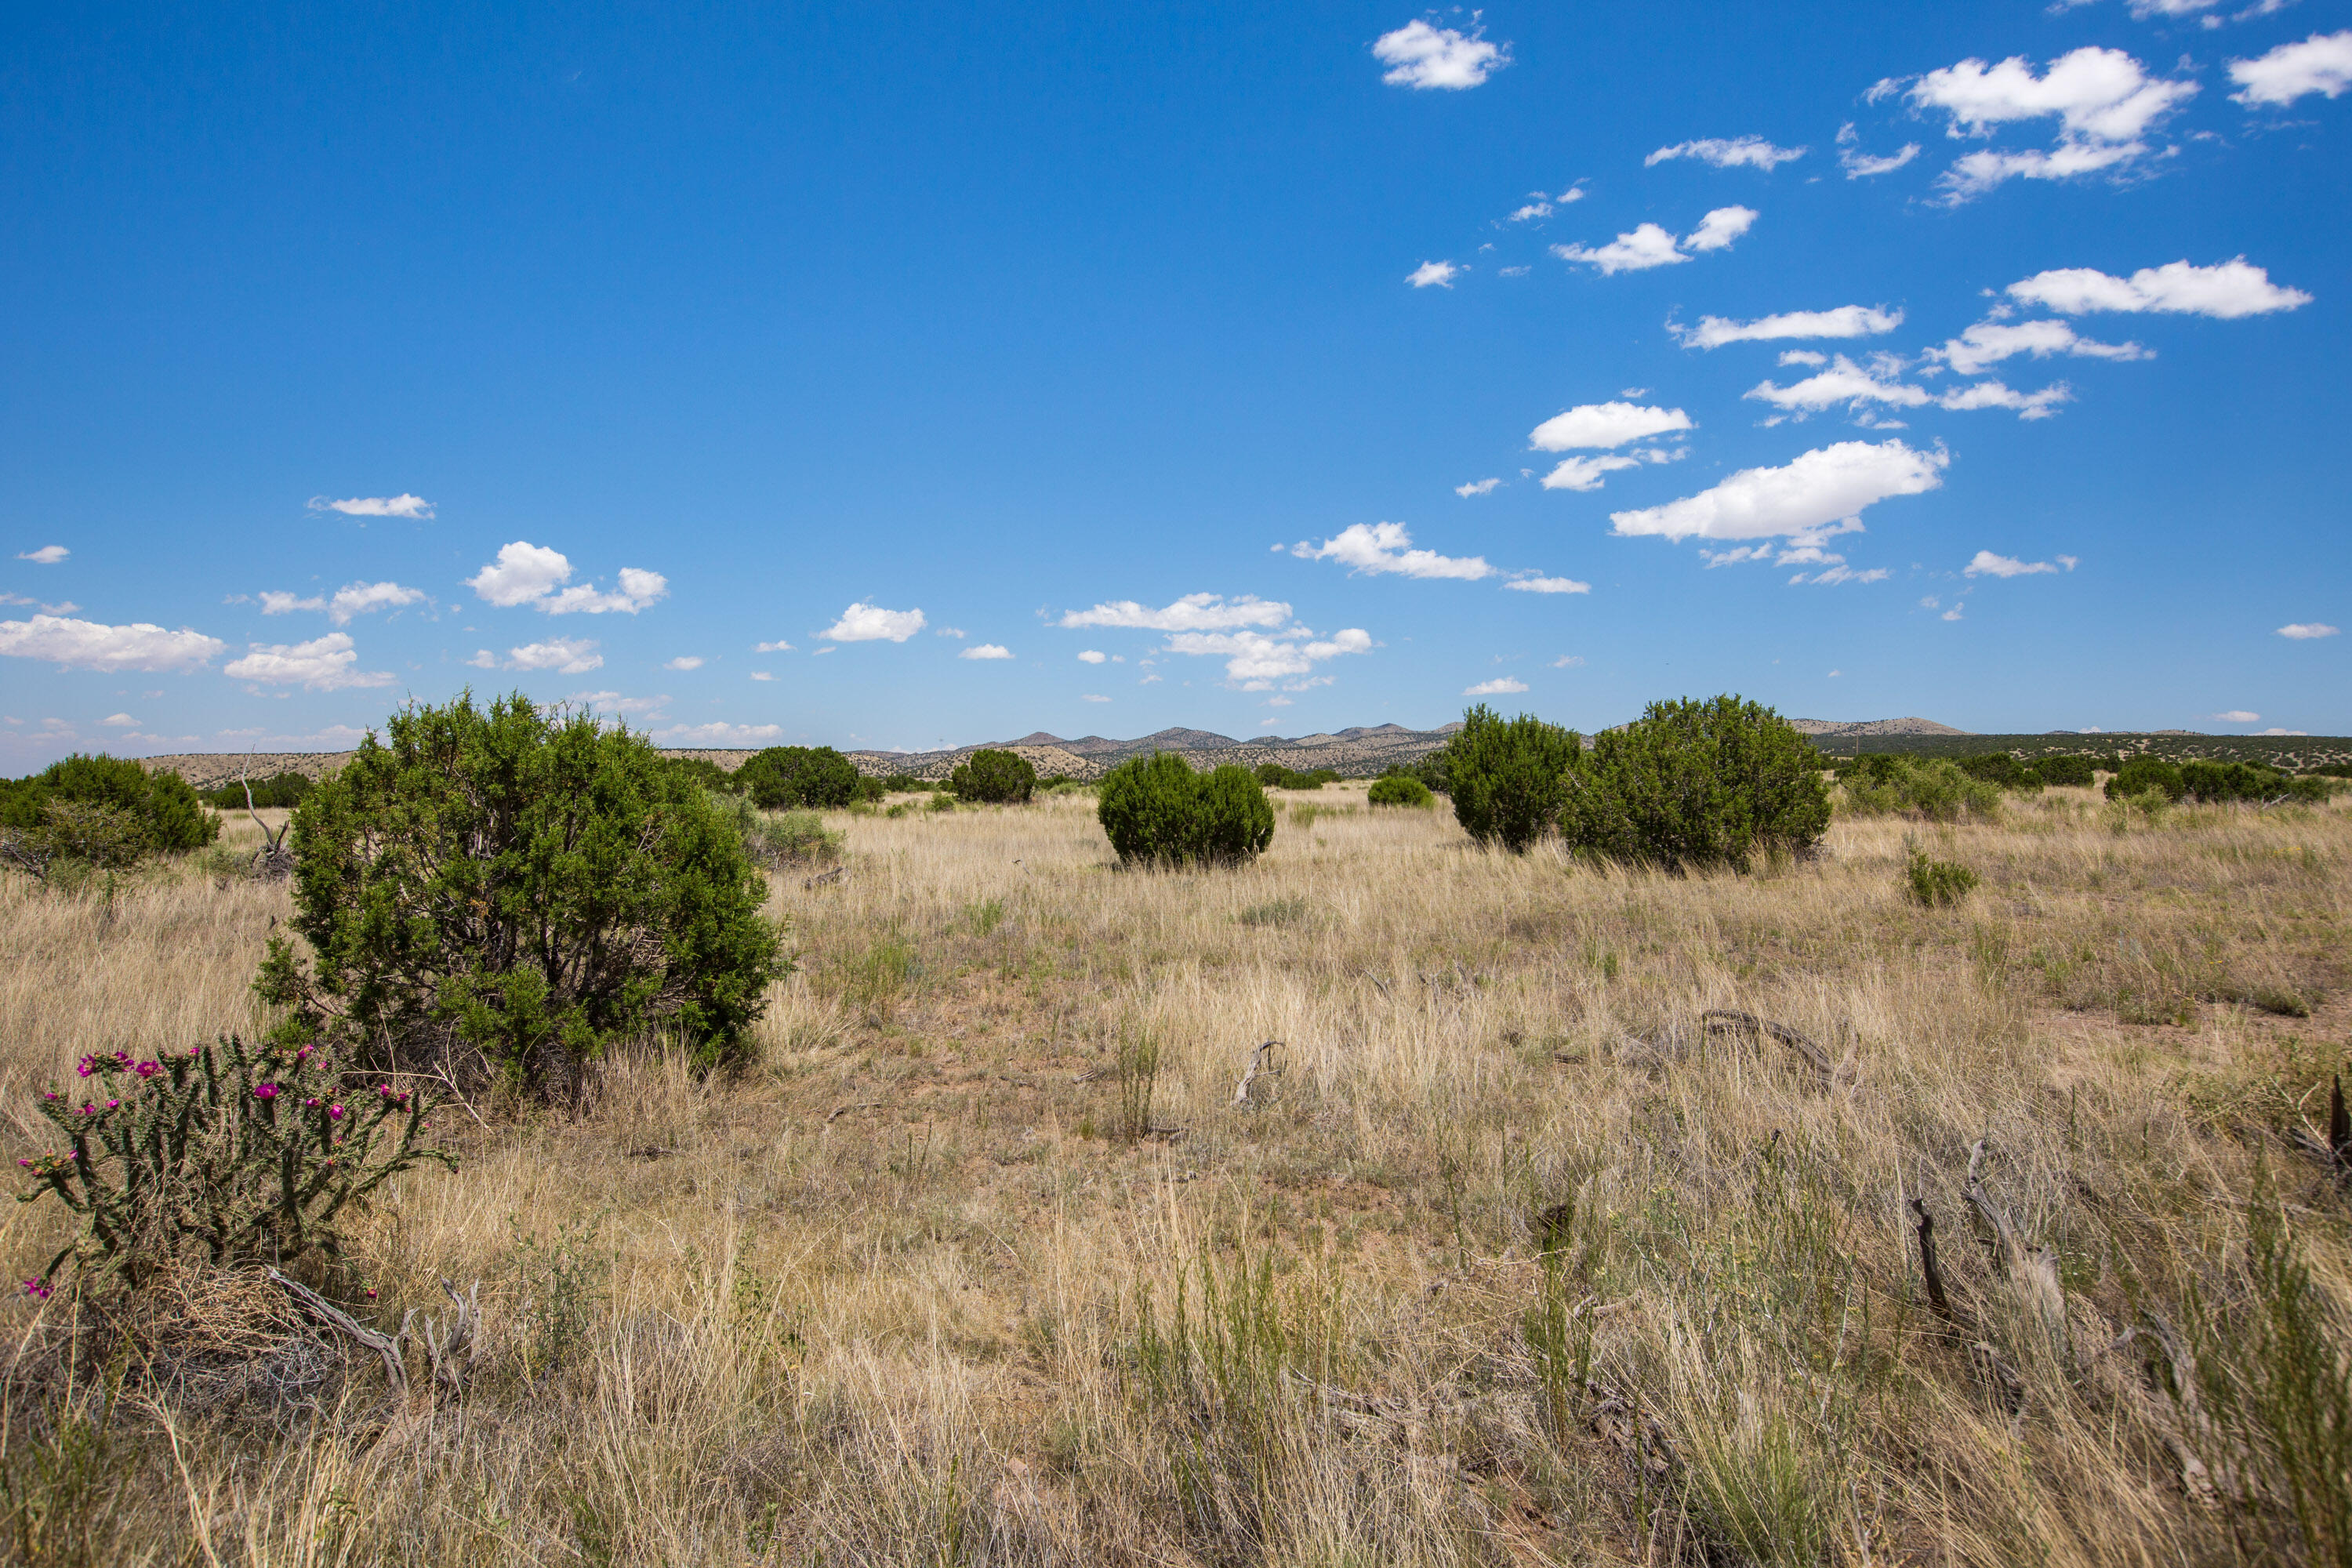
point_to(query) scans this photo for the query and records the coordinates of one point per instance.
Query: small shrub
(1274, 776)
(1279, 912)
(1434, 769)
(525, 886)
(994, 777)
(1401, 789)
(1138, 1068)
(700, 772)
(941, 803)
(1156, 809)
(2003, 771)
(903, 784)
(784, 777)
(1937, 883)
(1698, 784)
(80, 807)
(238, 1151)
(1509, 777)
(1931, 787)
(795, 838)
(2074, 771)
(869, 790)
(280, 791)
(2141, 774)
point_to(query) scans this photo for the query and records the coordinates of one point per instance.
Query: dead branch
(1716, 1019)
(1937, 1298)
(824, 878)
(328, 1315)
(452, 1345)
(1249, 1074)
(2033, 1270)
(841, 1110)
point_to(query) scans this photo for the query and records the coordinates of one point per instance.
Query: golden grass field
(948, 1278)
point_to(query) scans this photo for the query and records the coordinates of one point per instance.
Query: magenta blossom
(149, 1069)
(87, 1066)
(334, 1113)
(265, 1091)
(39, 1289)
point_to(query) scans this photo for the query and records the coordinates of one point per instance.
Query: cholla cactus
(247, 1151)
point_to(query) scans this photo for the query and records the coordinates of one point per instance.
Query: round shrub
(167, 815)
(1698, 783)
(2141, 774)
(1508, 778)
(518, 890)
(994, 777)
(2073, 771)
(1157, 808)
(1401, 789)
(1933, 787)
(786, 778)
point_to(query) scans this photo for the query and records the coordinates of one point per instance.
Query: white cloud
(1567, 661)
(1861, 165)
(1421, 57)
(1255, 657)
(869, 623)
(2068, 562)
(949, 632)
(685, 661)
(1988, 343)
(322, 664)
(1840, 573)
(1953, 614)
(1604, 425)
(91, 644)
(46, 555)
(1092, 656)
(1752, 152)
(120, 722)
(1977, 172)
(2225, 292)
(986, 650)
(1802, 356)
(483, 659)
(1585, 473)
(1804, 498)
(2303, 631)
(638, 590)
(1384, 547)
(1502, 685)
(2275, 730)
(1441, 273)
(762, 675)
(2098, 94)
(1647, 245)
(2322, 63)
(565, 656)
(1092, 696)
(1534, 209)
(1845, 321)
(375, 506)
(2236, 716)
(1549, 586)
(1193, 613)
(718, 734)
(778, 646)
(351, 599)
(273, 602)
(1844, 382)
(1476, 487)
(1987, 564)
(615, 703)
(522, 573)
(1718, 228)
(2042, 404)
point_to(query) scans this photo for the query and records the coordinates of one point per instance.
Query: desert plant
(526, 885)
(1698, 783)
(1509, 777)
(1401, 789)
(1935, 883)
(795, 838)
(789, 776)
(1932, 787)
(1156, 809)
(2068, 770)
(2002, 770)
(1275, 912)
(282, 791)
(1137, 1064)
(2142, 774)
(238, 1151)
(699, 772)
(994, 777)
(169, 817)
(86, 834)
(1274, 775)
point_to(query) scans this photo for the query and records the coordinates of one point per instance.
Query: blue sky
(945, 372)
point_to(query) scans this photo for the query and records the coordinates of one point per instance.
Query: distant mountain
(1358, 750)
(1842, 726)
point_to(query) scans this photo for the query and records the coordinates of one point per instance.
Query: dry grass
(912, 1290)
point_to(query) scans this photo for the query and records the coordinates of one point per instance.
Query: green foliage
(282, 791)
(163, 812)
(1401, 789)
(530, 887)
(994, 777)
(700, 772)
(1509, 777)
(2214, 783)
(562, 1284)
(1698, 784)
(75, 837)
(1434, 769)
(1932, 787)
(904, 783)
(1156, 809)
(1137, 1064)
(870, 790)
(799, 776)
(1937, 883)
(2142, 776)
(2003, 771)
(795, 838)
(1275, 912)
(2076, 772)
(237, 1152)
(1274, 776)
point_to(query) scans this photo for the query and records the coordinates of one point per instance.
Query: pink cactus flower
(265, 1091)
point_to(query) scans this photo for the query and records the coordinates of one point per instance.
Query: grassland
(1504, 1256)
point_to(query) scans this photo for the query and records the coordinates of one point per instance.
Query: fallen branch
(2033, 1270)
(1716, 1020)
(329, 1315)
(1249, 1074)
(1930, 1267)
(841, 1110)
(824, 878)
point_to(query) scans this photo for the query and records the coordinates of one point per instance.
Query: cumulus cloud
(528, 573)
(351, 599)
(1861, 165)
(986, 650)
(1845, 321)
(1256, 660)
(1844, 382)
(1751, 151)
(1549, 586)
(2321, 63)
(2103, 100)
(2041, 404)
(1819, 492)
(1501, 686)
(1586, 473)
(2226, 291)
(1380, 548)
(1604, 425)
(1441, 273)
(625, 707)
(719, 733)
(685, 661)
(120, 722)
(779, 646)
(1092, 696)
(870, 623)
(1972, 175)
(2303, 631)
(375, 506)
(1421, 57)
(322, 664)
(1840, 573)
(2236, 716)
(1193, 613)
(46, 555)
(1476, 487)
(637, 590)
(1647, 245)
(565, 656)
(1987, 564)
(92, 645)
(1092, 656)
(1988, 343)
(1718, 228)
